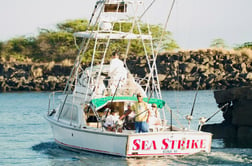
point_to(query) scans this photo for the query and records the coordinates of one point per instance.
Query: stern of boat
(168, 143)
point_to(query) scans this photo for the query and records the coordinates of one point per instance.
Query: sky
(194, 23)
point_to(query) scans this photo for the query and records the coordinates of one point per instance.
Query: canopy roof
(101, 102)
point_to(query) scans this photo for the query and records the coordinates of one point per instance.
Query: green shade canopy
(100, 102)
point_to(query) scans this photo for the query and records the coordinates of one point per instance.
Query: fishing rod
(204, 120)
(115, 90)
(171, 120)
(113, 97)
(197, 90)
(190, 117)
(106, 115)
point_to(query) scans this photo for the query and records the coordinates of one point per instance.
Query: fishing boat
(91, 92)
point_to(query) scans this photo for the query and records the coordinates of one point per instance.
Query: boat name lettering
(168, 144)
(144, 144)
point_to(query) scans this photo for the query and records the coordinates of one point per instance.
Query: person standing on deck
(142, 114)
(117, 72)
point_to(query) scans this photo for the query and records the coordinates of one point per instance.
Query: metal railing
(52, 101)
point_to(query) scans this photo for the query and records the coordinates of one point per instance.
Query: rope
(161, 38)
(147, 9)
(166, 23)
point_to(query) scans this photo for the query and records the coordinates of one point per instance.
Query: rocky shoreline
(218, 69)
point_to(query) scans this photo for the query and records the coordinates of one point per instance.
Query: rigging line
(89, 23)
(161, 38)
(106, 48)
(145, 50)
(81, 52)
(147, 9)
(86, 47)
(165, 26)
(131, 30)
(82, 49)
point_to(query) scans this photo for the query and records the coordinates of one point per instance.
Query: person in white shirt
(117, 73)
(111, 120)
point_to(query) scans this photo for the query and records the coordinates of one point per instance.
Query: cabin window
(69, 113)
(122, 8)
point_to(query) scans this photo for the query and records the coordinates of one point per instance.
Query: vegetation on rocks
(59, 45)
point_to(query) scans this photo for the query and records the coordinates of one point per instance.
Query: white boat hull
(131, 144)
(89, 140)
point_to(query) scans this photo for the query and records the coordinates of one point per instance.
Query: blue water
(26, 138)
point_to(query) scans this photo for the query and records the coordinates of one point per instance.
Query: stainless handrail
(52, 97)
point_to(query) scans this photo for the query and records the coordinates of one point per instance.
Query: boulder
(220, 130)
(242, 113)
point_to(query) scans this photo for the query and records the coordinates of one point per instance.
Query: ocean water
(26, 138)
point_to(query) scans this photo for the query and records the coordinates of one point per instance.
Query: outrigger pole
(204, 120)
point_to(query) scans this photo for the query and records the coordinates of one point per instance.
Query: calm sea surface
(26, 138)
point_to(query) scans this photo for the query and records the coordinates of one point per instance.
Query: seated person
(154, 115)
(111, 121)
(129, 119)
